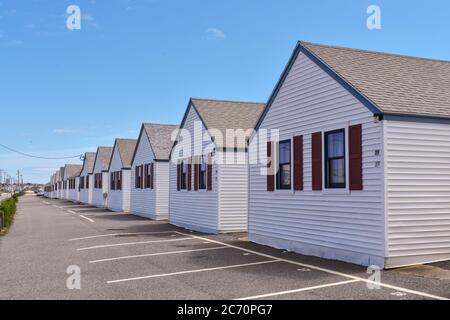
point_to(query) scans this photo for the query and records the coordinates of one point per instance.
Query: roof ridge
(158, 124)
(224, 100)
(373, 52)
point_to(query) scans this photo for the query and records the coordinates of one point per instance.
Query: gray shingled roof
(62, 170)
(396, 84)
(126, 150)
(104, 155)
(73, 170)
(89, 161)
(222, 115)
(160, 137)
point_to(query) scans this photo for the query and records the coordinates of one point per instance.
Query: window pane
(285, 152)
(337, 171)
(336, 144)
(285, 175)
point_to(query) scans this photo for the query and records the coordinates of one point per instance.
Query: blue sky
(66, 92)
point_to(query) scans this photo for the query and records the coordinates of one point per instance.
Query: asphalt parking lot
(121, 256)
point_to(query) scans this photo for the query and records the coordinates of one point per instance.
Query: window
(202, 174)
(284, 165)
(184, 175)
(87, 182)
(335, 159)
(119, 180)
(81, 183)
(112, 179)
(139, 177)
(148, 176)
(98, 183)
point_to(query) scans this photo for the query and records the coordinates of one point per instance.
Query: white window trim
(276, 157)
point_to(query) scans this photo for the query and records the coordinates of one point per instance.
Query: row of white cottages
(358, 171)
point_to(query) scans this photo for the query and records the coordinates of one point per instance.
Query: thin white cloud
(215, 34)
(87, 17)
(90, 20)
(65, 130)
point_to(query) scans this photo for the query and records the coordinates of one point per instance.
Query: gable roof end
(387, 84)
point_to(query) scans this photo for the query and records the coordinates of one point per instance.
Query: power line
(39, 157)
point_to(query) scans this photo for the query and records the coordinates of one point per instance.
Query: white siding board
(162, 185)
(233, 196)
(347, 226)
(143, 201)
(418, 192)
(97, 194)
(118, 200)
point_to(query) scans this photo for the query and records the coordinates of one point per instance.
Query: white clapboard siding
(126, 190)
(233, 192)
(115, 197)
(347, 226)
(162, 187)
(418, 192)
(143, 201)
(196, 210)
(73, 193)
(86, 193)
(97, 193)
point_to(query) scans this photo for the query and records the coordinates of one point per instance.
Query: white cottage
(71, 178)
(62, 192)
(101, 177)
(150, 173)
(53, 186)
(209, 175)
(119, 194)
(86, 183)
(362, 164)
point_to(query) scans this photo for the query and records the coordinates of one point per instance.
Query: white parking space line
(396, 288)
(298, 290)
(158, 254)
(45, 202)
(134, 243)
(88, 219)
(120, 234)
(194, 271)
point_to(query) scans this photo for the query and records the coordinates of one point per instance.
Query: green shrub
(8, 210)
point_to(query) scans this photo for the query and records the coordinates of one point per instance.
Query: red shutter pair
(355, 159)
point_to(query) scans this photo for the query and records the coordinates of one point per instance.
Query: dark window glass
(202, 174)
(335, 159)
(184, 175)
(284, 165)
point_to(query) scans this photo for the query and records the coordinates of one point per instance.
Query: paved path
(121, 256)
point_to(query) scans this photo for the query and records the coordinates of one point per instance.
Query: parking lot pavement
(122, 256)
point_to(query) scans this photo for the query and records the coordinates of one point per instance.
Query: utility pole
(18, 181)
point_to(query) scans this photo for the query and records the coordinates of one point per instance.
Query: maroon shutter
(178, 176)
(209, 173)
(146, 182)
(316, 161)
(152, 177)
(355, 157)
(298, 163)
(270, 169)
(196, 172)
(136, 177)
(189, 180)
